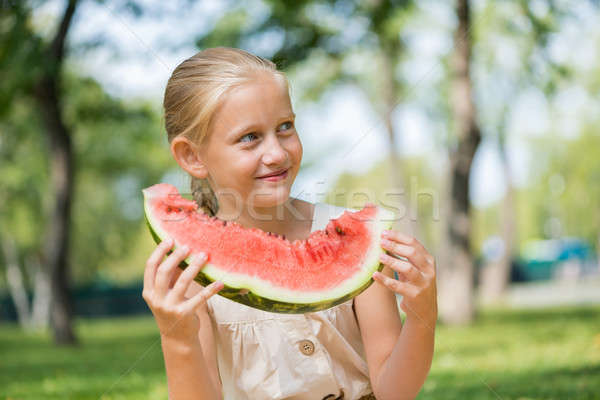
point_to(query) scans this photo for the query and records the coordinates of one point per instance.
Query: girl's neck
(293, 219)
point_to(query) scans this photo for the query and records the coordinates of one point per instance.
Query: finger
(165, 270)
(397, 275)
(403, 267)
(153, 262)
(429, 265)
(203, 295)
(174, 276)
(411, 253)
(405, 289)
(187, 276)
(402, 238)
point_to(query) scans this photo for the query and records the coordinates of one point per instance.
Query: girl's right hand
(175, 314)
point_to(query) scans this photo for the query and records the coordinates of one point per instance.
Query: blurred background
(476, 120)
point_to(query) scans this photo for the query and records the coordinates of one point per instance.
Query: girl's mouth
(275, 178)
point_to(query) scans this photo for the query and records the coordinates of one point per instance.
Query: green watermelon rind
(257, 297)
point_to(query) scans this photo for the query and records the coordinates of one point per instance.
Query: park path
(554, 293)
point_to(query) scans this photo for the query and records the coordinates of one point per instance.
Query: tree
(456, 265)
(46, 92)
(42, 81)
(52, 116)
(536, 70)
(564, 190)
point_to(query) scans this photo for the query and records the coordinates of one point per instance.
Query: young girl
(230, 125)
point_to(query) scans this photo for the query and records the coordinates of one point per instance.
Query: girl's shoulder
(324, 212)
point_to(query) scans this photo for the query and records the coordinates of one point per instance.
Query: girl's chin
(270, 199)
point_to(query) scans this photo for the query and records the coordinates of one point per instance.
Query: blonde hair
(194, 92)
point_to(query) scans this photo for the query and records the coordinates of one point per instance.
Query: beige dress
(263, 355)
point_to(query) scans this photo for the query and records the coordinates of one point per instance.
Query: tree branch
(57, 48)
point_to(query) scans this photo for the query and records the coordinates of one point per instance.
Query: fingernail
(199, 258)
(385, 233)
(218, 285)
(185, 249)
(376, 274)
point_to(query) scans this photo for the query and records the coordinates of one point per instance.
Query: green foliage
(567, 188)
(563, 187)
(314, 38)
(23, 169)
(20, 53)
(506, 354)
(419, 193)
(119, 148)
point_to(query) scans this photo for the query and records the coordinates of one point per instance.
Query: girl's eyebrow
(286, 117)
(250, 126)
(243, 129)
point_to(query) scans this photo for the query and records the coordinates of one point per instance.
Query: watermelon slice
(267, 271)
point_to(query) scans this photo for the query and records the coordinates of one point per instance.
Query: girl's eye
(286, 125)
(247, 135)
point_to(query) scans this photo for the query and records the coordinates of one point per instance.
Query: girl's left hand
(416, 281)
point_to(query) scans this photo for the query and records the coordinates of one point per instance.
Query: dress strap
(324, 212)
(317, 217)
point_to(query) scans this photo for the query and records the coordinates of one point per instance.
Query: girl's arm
(192, 371)
(399, 357)
(183, 322)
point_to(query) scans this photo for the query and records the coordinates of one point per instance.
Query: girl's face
(253, 135)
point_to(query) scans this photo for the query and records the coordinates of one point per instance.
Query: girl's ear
(188, 157)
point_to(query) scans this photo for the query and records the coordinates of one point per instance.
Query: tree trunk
(56, 250)
(40, 305)
(496, 276)
(409, 222)
(32, 315)
(57, 234)
(14, 279)
(456, 280)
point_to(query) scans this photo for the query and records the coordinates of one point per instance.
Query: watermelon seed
(179, 209)
(339, 230)
(169, 209)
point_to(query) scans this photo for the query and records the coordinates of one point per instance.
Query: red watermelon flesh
(267, 271)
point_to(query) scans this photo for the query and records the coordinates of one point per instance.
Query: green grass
(549, 354)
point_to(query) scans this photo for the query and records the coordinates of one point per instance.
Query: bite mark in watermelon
(266, 271)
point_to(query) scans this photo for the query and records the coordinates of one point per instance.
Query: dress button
(307, 347)
(332, 396)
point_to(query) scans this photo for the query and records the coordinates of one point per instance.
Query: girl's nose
(274, 153)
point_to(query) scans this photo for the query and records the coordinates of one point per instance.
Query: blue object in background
(541, 259)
